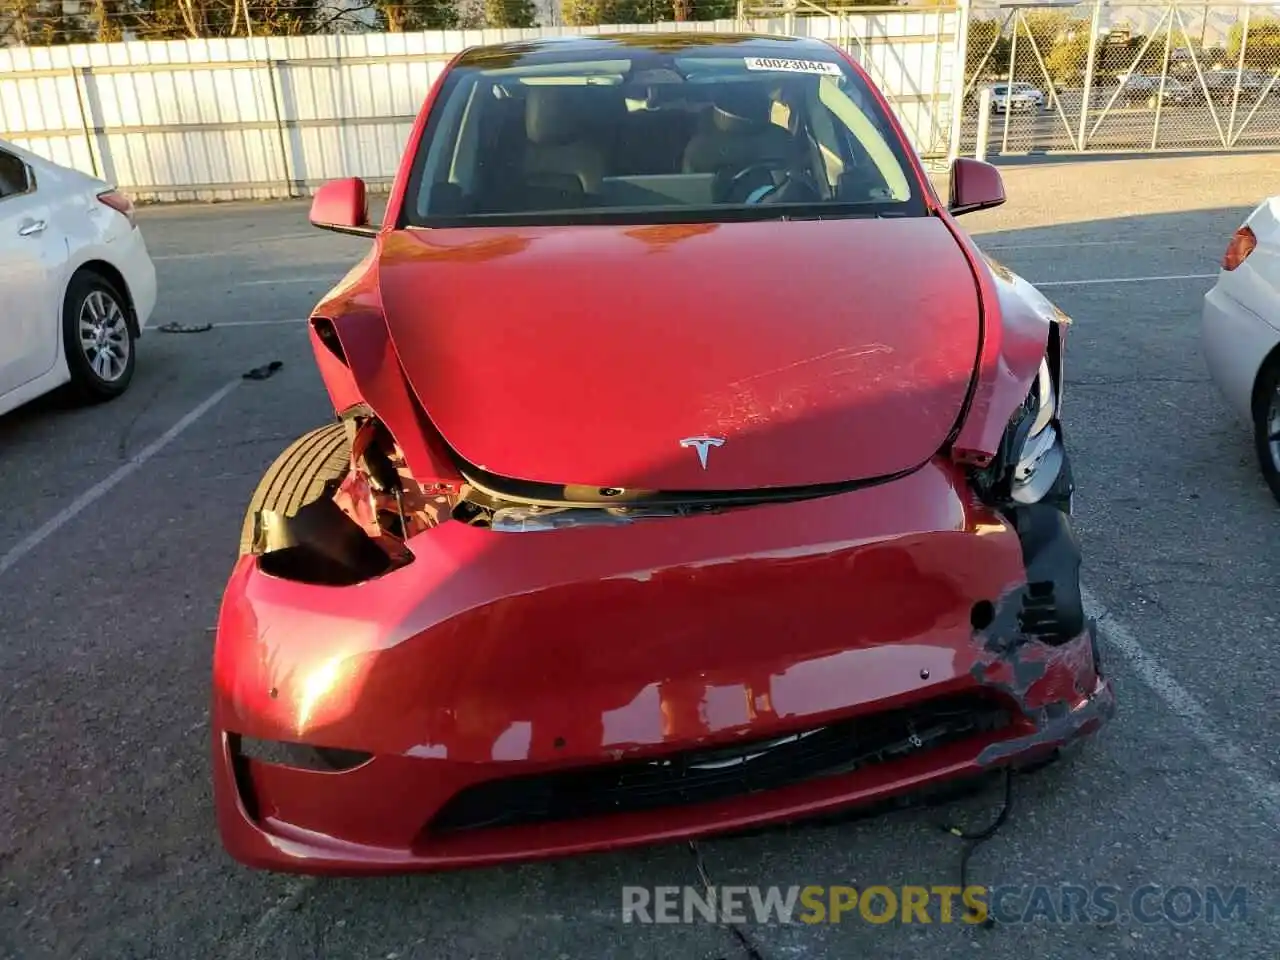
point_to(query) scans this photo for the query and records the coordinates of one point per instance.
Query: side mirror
(341, 206)
(974, 186)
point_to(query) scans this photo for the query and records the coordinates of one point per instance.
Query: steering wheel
(772, 191)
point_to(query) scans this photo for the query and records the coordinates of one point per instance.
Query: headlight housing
(1039, 453)
(1032, 461)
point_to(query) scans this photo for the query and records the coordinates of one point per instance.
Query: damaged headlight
(1031, 462)
(1038, 444)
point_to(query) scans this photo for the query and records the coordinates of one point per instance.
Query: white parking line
(1054, 244)
(259, 323)
(279, 280)
(59, 519)
(1251, 774)
(235, 249)
(1102, 280)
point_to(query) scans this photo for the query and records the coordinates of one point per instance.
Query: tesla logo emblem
(703, 445)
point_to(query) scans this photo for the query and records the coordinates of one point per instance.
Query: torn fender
(1018, 324)
(360, 367)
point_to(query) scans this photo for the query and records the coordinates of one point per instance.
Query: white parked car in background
(77, 285)
(1016, 96)
(1241, 332)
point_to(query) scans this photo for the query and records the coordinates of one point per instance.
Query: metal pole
(1164, 77)
(1094, 26)
(1235, 95)
(84, 116)
(958, 83)
(984, 124)
(1008, 89)
(273, 68)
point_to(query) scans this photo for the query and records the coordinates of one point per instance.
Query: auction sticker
(793, 66)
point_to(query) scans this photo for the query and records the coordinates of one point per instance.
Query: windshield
(646, 136)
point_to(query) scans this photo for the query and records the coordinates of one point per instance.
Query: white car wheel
(98, 337)
(1266, 423)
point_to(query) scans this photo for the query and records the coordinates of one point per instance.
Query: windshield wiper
(833, 211)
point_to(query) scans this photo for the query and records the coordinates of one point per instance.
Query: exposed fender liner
(319, 544)
(1049, 607)
(1053, 607)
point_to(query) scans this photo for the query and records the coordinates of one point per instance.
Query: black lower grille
(706, 775)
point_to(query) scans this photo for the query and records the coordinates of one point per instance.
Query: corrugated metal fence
(272, 117)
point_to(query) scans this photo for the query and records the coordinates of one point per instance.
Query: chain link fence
(1130, 77)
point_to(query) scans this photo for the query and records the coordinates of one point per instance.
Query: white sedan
(1241, 332)
(1017, 96)
(76, 282)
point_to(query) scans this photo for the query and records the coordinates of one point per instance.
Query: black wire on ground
(971, 840)
(744, 941)
(975, 840)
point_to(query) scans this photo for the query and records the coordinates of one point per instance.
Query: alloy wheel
(104, 336)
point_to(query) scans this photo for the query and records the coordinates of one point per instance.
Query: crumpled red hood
(814, 351)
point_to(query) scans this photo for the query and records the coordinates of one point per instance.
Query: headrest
(551, 115)
(740, 105)
(559, 114)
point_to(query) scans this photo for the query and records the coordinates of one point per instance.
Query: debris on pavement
(261, 373)
(175, 327)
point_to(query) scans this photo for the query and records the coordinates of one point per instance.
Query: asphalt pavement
(120, 526)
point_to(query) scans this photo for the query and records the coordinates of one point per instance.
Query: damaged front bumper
(508, 696)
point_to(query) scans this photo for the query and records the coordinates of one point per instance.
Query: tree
(1124, 58)
(594, 12)
(590, 13)
(987, 50)
(1066, 61)
(1038, 32)
(1262, 48)
(401, 16)
(705, 9)
(40, 23)
(110, 20)
(510, 13)
(1047, 27)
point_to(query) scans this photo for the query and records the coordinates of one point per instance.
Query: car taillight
(120, 203)
(1242, 243)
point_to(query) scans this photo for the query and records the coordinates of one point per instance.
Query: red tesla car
(691, 470)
